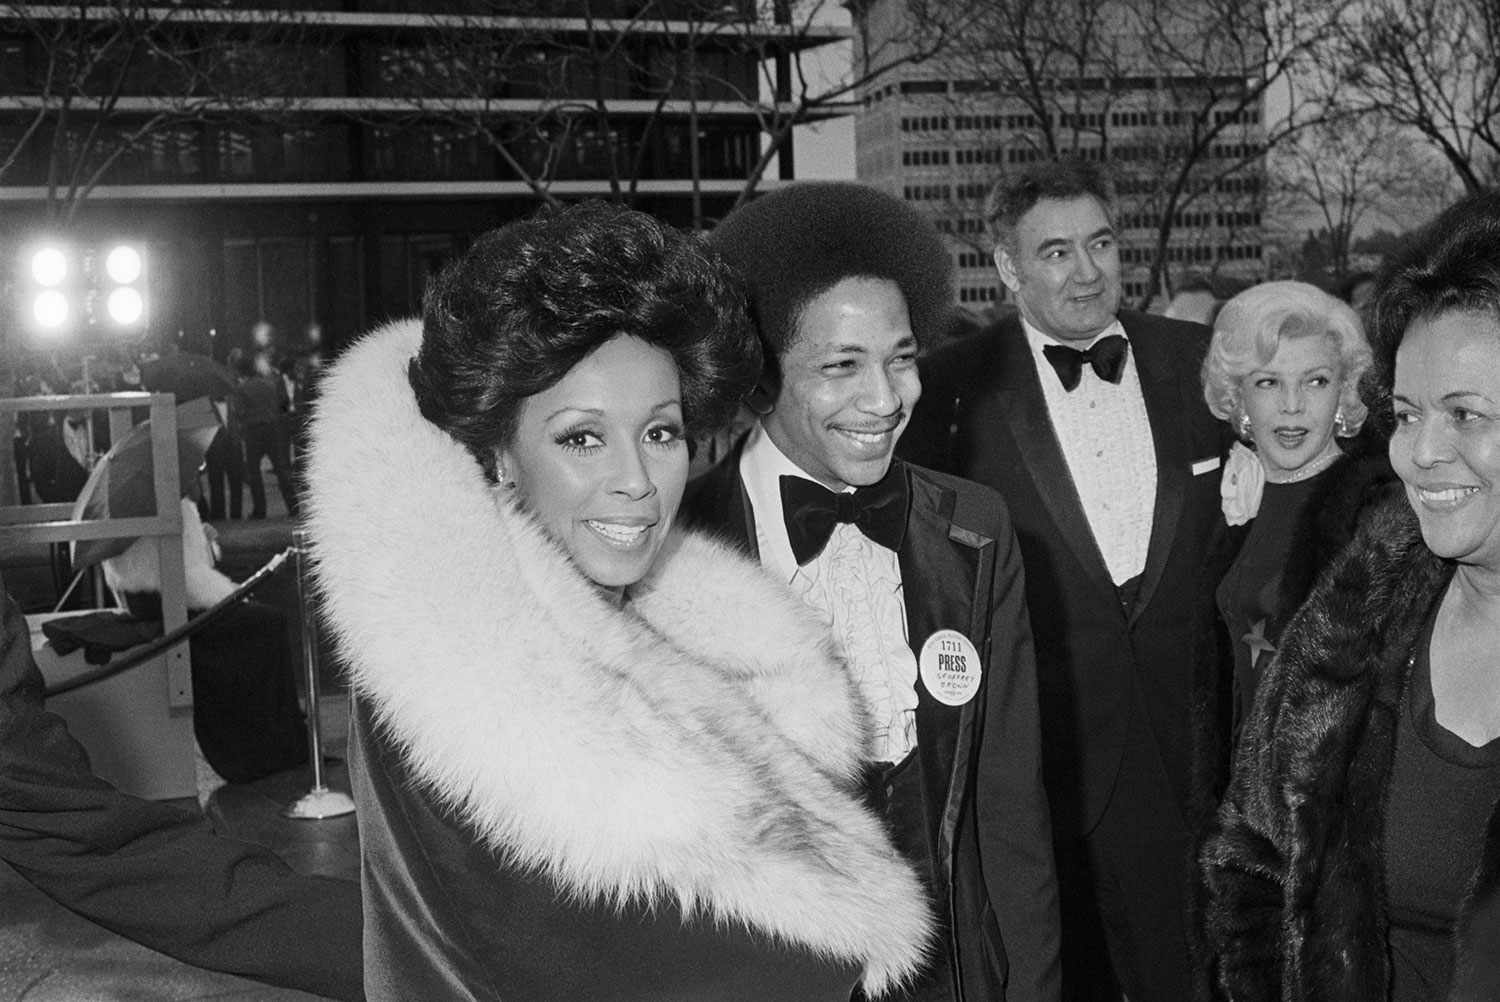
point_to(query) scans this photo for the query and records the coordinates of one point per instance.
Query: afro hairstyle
(801, 240)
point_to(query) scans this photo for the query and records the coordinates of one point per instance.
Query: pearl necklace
(1322, 461)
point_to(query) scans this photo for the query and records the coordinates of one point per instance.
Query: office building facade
(368, 141)
(939, 132)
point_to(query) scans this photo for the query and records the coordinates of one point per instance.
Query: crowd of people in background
(263, 396)
(1095, 655)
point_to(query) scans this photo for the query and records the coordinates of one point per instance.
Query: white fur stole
(697, 746)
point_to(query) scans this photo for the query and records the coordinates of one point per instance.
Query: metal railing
(23, 525)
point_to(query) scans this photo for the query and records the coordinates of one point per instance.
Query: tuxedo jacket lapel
(1022, 408)
(937, 570)
(947, 571)
(946, 575)
(1165, 407)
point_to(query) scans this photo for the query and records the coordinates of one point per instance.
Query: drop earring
(760, 401)
(1244, 426)
(1341, 425)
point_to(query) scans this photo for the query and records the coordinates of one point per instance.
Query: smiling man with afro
(918, 574)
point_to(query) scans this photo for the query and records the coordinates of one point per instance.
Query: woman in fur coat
(1357, 857)
(594, 757)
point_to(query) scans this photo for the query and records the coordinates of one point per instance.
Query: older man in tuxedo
(916, 573)
(1090, 421)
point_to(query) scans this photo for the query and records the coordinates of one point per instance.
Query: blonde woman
(1283, 369)
(1356, 853)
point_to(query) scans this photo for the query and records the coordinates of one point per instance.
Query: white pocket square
(1203, 466)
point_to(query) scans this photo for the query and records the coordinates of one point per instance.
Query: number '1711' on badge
(950, 667)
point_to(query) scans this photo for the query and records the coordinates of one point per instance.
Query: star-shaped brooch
(1256, 639)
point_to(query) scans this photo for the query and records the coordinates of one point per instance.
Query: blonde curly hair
(1252, 325)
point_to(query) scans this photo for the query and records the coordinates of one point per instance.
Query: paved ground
(47, 954)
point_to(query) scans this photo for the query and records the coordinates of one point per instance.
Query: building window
(236, 154)
(969, 158)
(174, 154)
(14, 70)
(1132, 119)
(1083, 120)
(1238, 185)
(924, 158)
(426, 152)
(928, 192)
(1239, 116)
(925, 123)
(1237, 151)
(984, 123)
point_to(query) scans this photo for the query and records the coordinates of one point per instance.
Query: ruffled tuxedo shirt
(854, 584)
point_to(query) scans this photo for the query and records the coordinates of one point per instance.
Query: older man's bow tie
(812, 511)
(1107, 356)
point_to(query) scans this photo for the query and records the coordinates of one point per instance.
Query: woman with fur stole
(1357, 855)
(595, 757)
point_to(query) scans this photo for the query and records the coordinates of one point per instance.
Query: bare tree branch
(171, 62)
(1428, 65)
(1171, 93)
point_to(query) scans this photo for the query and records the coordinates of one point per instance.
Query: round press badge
(950, 667)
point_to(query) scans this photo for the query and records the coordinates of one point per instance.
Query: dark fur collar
(1367, 612)
(1294, 870)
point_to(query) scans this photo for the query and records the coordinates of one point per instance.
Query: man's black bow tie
(1107, 356)
(812, 510)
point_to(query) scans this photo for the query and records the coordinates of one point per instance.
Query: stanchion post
(320, 801)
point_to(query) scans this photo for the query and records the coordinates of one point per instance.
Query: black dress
(1441, 794)
(1252, 596)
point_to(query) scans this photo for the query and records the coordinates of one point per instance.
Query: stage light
(49, 266)
(50, 310)
(123, 265)
(125, 306)
(83, 291)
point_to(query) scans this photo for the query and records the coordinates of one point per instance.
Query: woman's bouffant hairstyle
(1252, 325)
(1452, 264)
(530, 300)
(798, 242)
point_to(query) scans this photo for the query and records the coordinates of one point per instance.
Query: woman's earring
(760, 401)
(1244, 426)
(1341, 425)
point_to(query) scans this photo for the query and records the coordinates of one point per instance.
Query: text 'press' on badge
(950, 667)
